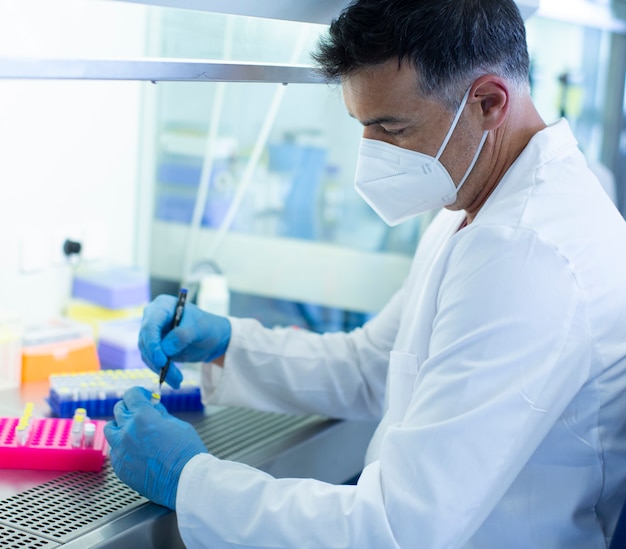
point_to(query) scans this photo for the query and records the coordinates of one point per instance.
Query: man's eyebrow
(381, 120)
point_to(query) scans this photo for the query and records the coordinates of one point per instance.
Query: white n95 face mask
(399, 184)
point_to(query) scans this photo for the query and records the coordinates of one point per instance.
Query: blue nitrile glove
(200, 337)
(149, 447)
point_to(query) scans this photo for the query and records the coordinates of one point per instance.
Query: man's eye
(398, 131)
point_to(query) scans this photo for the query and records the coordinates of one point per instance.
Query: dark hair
(449, 42)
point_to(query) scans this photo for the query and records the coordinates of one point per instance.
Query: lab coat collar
(550, 143)
(543, 147)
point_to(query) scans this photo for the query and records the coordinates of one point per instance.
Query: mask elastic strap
(474, 160)
(454, 123)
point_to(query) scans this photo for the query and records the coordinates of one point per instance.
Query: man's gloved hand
(149, 447)
(200, 337)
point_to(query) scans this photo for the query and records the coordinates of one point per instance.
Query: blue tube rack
(98, 391)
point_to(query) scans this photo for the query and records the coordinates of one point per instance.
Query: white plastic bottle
(213, 294)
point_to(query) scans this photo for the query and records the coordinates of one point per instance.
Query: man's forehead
(381, 91)
(384, 73)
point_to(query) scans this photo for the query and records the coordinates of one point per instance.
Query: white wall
(68, 150)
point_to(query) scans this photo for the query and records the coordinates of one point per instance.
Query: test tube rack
(99, 390)
(48, 446)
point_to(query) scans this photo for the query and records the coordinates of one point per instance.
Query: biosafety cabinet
(257, 176)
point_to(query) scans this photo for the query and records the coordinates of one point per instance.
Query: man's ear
(492, 93)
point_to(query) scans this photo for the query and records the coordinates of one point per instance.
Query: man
(498, 369)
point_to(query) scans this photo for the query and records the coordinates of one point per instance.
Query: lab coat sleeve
(296, 371)
(509, 350)
(223, 504)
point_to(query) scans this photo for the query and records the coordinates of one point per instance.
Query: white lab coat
(500, 368)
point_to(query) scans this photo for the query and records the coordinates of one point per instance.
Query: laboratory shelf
(156, 70)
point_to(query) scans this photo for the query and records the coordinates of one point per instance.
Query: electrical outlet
(57, 239)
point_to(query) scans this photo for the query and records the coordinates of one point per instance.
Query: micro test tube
(23, 428)
(156, 398)
(21, 433)
(89, 432)
(76, 431)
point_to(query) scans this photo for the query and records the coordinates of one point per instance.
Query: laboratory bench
(76, 510)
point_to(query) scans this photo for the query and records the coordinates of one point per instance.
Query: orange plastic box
(57, 346)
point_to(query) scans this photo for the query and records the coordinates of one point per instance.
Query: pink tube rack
(48, 447)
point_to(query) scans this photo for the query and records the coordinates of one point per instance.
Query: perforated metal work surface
(55, 512)
(234, 432)
(60, 509)
(11, 538)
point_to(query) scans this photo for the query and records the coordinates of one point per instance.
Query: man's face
(386, 100)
